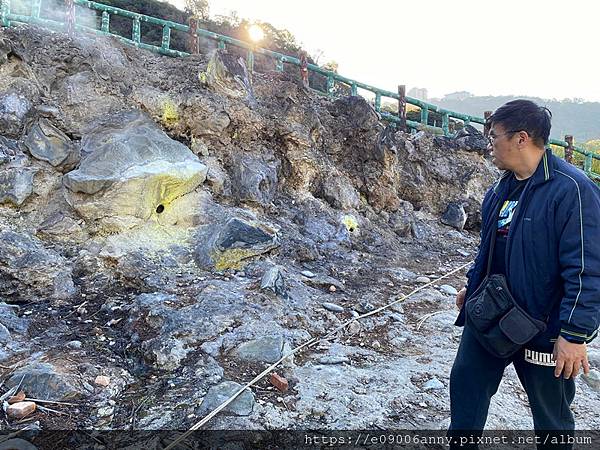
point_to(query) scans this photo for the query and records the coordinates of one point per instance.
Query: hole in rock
(160, 208)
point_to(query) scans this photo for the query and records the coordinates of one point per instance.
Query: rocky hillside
(170, 227)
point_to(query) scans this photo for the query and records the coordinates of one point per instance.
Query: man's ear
(524, 138)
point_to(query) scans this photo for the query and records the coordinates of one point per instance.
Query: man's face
(503, 148)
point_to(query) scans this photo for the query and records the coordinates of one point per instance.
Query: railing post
(250, 61)
(221, 44)
(377, 101)
(486, 127)
(424, 115)
(136, 34)
(192, 36)
(70, 22)
(446, 123)
(330, 84)
(354, 91)
(279, 64)
(402, 106)
(569, 149)
(587, 163)
(35, 8)
(166, 38)
(105, 22)
(4, 13)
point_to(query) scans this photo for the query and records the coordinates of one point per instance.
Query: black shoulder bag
(500, 325)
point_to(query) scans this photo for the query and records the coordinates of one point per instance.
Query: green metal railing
(7, 17)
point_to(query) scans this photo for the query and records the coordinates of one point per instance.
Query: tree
(198, 8)
(332, 66)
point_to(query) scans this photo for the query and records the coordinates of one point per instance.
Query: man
(543, 217)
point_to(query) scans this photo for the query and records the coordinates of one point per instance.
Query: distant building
(418, 93)
(460, 95)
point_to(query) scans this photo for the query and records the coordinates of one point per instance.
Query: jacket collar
(543, 173)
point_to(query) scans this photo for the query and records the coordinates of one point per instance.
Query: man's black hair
(524, 115)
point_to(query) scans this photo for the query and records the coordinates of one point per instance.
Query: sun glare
(256, 33)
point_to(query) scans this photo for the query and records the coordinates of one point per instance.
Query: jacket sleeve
(579, 258)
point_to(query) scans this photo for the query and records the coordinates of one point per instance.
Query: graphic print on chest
(506, 215)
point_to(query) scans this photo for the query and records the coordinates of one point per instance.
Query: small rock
(279, 382)
(102, 380)
(332, 288)
(264, 349)
(16, 398)
(592, 379)
(354, 328)
(434, 383)
(354, 314)
(75, 345)
(274, 280)
(376, 345)
(423, 280)
(241, 406)
(332, 307)
(333, 360)
(105, 411)
(308, 274)
(20, 410)
(446, 288)
(397, 317)
(365, 307)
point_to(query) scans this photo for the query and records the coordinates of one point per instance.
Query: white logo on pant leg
(539, 358)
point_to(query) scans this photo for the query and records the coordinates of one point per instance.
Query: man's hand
(570, 357)
(460, 297)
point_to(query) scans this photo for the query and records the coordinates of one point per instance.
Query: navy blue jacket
(553, 250)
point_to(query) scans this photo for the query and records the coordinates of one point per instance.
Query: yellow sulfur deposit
(350, 223)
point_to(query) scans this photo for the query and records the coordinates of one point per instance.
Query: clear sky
(542, 48)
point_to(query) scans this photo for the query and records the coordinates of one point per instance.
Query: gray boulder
(16, 185)
(132, 172)
(14, 107)
(16, 178)
(229, 246)
(455, 216)
(46, 381)
(254, 179)
(47, 143)
(29, 270)
(471, 139)
(339, 193)
(403, 219)
(265, 349)
(241, 406)
(274, 281)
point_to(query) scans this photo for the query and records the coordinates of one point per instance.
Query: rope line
(310, 343)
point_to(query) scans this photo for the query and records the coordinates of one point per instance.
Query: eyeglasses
(491, 138)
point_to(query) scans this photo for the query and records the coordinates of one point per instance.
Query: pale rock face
(131, 173)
